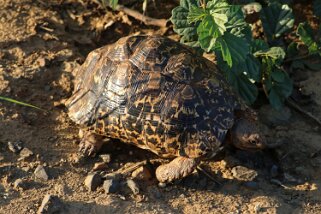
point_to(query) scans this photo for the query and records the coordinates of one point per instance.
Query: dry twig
(141, 17)
(292, 104)
(208, 175)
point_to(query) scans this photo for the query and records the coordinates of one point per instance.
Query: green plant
(112, 3)
(19, 102)
(218, 27)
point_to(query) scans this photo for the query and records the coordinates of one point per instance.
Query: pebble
(273, 117)
(25, 153)
(162, 185)
(92, 181)
(20, 184)
(15, 147)
(100, 166)
(243, 173)
(111, 185)
(106, 158)
(142, 173)
(51, 204)
(133, 186)
(112, 175)
(40, 173)
(41, 61)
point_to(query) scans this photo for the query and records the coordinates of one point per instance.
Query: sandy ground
(41, 44)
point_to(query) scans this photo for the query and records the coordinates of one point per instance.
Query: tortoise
(160, 95)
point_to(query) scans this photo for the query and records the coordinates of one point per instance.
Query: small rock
(133, 186)
(40, 173)
(162, 185)
(113, 175)
(15, 147)
(111, 185)
(92, 181)
(142, 173)
(100, 166)
(251, 185)
(25, 153)
(1, 157)
(25, 168)
(105, 157)
(41, 61)
(273, 117)
(244, 174)
(20, 184)
(51, 204)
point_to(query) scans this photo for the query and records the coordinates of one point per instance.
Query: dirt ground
(41, 42)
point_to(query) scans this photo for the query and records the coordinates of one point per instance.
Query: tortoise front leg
(178, 168)
(90, 143)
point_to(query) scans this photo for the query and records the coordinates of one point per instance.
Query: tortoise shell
(154, 93)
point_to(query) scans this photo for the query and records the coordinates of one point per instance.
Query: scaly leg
(178, 168)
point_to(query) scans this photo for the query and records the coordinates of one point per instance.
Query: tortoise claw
(90, 144)
(87, 149)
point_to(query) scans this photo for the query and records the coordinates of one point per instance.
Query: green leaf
(247, 90)
(220, 20)
(113, 3)
(234, 49)
(181, 24)
(252, 68)
(278, 91)
(236, 24)
(259, 45)
(196, 14)
(317, 8)
(19, 102)
(292, 50)
(276, 53)
(306, 35)
(217, 6)
(278, 76)
(190, 40)
(276, 20)
(208, 33)
(275, 99)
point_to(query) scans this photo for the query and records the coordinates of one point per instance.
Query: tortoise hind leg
(178, 168)
(90, 143)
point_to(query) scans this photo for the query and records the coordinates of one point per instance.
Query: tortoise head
(246, 135)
